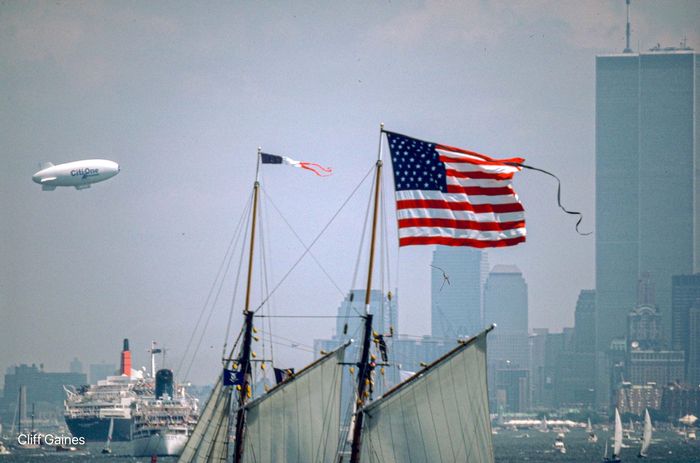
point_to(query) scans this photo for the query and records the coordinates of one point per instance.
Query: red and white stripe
(480, 208)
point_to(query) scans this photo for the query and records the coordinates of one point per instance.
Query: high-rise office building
(693, 353)
(76, 366)
(647, 187)
(685, 296)
(457, 278)
(349, 325)
(584, 324)
(505, 304)
(647, 182)
(384, 312)
(508, 356)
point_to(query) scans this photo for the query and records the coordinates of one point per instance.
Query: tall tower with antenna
(647, 186)
(628, 32)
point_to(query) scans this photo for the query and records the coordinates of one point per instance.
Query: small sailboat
(629, 432)
(617, 445)
(107, 448)
(646, 437)
(592, 437)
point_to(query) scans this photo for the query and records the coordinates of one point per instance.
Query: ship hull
(96, 429)
(162, 444)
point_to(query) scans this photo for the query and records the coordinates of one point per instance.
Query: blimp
(78, 174)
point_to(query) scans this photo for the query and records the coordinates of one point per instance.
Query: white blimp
(78, 174)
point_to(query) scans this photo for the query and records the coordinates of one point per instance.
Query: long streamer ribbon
(316, 168)
(580, 215)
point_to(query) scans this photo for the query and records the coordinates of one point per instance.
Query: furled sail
(209, 439)
(299, 420)
(617, 446)
(646, 437)
(440, 414)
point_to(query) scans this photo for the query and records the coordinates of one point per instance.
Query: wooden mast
(244, 359)
(364, 366)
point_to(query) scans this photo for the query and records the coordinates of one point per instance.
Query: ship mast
(364, 366)
(244, 359)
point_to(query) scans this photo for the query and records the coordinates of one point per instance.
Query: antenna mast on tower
(627, 31)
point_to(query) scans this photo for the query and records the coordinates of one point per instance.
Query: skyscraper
(457, 278)
(508, 356)
(505, 303)
(584, 325)
(685, 330)
(647, 189)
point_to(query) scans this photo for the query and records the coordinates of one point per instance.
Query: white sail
(299, 420)
(212, 427)
(618, 435)
(109, 434)
(646, 437)
(589, 428)
(440, 414)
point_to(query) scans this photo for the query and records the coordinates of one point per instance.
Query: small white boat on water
(617, 445)
(646, 436)
(592, 437)
(559, 443)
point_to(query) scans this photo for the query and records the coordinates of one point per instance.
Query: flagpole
(364, 366)
(244, 359)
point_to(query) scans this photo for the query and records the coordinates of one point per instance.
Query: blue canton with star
(416, 164)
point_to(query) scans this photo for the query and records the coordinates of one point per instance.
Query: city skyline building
(506, 305)
(646, 180)
(685, 324)
(647, 186)
(584, 321)
(457, 279)
(44, 390)
(508, 355)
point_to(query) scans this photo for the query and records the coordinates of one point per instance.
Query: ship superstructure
(164, 422)
(89, 409)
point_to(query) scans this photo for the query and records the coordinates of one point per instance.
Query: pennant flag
(317, 169)
(283, 375)
(454, 197)
(232, 377)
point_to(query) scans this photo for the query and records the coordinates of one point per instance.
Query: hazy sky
(181, 94)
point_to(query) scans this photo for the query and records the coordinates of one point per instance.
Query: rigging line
(579, 214)
(305, 316)
(235, 290)
(286, 339)
(216, 299)
(296, 235)
(267, 249)
(362, 237)
(316, 239)
(385, 227)
(211, 290)
(386, 258)
(293, 346)
(351, 301)
(382, 262)
(264, 287)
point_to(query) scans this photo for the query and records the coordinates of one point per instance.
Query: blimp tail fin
(45, 165)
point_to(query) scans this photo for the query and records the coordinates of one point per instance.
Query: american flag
(454, 197)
